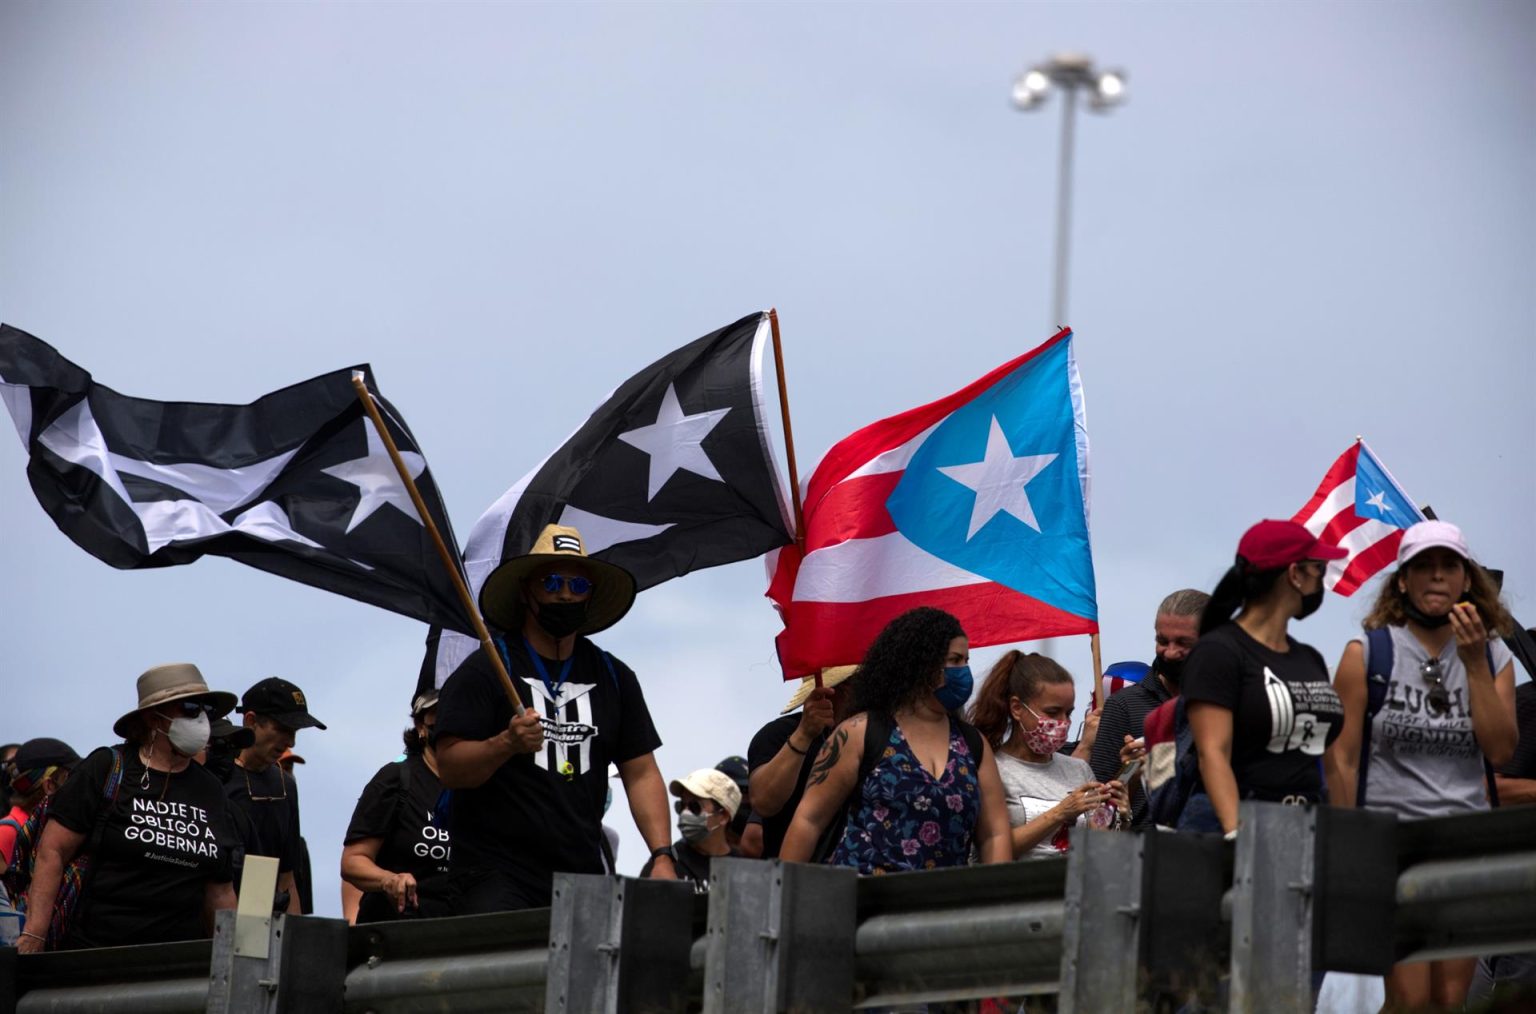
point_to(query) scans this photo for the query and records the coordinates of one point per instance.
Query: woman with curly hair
(1443, 703)
(924, 787)
(1025, 709)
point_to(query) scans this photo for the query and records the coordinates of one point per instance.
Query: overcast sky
(1308, 222)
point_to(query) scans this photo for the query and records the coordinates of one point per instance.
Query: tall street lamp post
(1071, 73)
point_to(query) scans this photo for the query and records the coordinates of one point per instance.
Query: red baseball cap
(1270, 545)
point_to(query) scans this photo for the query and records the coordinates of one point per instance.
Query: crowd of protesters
(895, 764)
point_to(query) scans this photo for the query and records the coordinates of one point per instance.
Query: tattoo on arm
(827, 759)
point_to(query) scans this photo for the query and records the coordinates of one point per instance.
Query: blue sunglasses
(578, 585)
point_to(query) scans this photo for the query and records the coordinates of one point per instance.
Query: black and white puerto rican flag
(297, 483)
(673, 473)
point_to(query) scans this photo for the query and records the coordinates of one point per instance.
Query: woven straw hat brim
(830, 678)
(501, 597)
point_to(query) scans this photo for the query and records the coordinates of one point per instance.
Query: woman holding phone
(1444, 703)
(1024, 710)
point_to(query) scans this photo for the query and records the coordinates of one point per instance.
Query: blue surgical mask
(957, 687)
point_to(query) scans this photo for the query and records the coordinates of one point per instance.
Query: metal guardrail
(1300, 890)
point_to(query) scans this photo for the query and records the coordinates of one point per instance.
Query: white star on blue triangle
(995, 488)
(1378, 498)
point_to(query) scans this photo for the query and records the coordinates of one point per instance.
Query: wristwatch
(665, 850)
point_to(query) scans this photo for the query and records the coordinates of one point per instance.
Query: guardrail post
(617, 944)
(304, 968)
(1272, 887)
(780, 937)
(1102, 922)
(1356, 896)
(1185, 944)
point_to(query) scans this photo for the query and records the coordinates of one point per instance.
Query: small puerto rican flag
(1360, 508)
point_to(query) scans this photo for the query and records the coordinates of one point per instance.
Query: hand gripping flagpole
(450, 563)
(789, 442)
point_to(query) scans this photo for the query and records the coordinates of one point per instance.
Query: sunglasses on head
(1436, 697)
(578, 585)
(691, 805)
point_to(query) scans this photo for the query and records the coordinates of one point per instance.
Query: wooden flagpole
(1098, 669)
(789, 441)
(789, 433)
(450, 563)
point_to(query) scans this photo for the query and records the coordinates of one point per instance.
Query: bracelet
(791, 744)
(34, 936)
(665, 850)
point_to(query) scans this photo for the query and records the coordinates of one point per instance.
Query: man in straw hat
(783, 751)
(528, 791)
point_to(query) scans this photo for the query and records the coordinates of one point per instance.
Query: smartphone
(1128, 772)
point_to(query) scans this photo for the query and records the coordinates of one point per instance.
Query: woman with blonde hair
(1429, 702)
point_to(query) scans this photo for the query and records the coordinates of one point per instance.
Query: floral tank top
(905, 819)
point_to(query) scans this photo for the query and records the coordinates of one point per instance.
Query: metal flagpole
(450, 562)
(1064, 207)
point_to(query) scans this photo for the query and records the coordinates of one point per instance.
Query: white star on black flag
(296, 483)
(673, 473)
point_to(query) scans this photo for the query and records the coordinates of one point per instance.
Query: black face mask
(221, 759)
(1424, 619)
(1310, 601)
(561, 619)
(1170, 670)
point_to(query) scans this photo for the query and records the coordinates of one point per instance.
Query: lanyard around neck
(538, 667)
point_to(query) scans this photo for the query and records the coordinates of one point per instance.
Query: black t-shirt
(1284, 710)
(162, 843)
(542, 813)
(770, 739)
(397, 806)
(270, 798)
(691, 865)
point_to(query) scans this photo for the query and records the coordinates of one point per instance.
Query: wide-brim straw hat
(613, 587)
(179, 681)
(830, 678)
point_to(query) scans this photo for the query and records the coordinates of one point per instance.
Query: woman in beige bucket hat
(146, 830)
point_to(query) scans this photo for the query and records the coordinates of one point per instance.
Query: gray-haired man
(1176, 629)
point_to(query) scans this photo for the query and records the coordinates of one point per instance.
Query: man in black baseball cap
(274, 710)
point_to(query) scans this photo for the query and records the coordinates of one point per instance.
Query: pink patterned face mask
(1048, 734)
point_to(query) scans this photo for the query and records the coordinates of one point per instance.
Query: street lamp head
(1108, 90)
(1031, 89)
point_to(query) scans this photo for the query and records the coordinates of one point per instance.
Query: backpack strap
(972, 736)
(608, 663)
(877, 734)
(12, 823)
(1488, 772)
(1378, 680)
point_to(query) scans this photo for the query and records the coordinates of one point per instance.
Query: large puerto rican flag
(1359, 507)
(976, 504)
